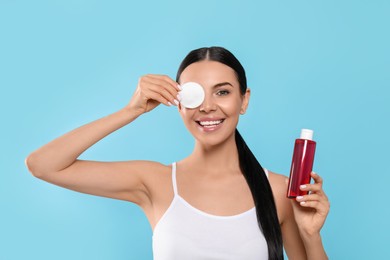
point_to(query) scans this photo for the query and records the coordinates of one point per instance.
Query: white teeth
(208, 123)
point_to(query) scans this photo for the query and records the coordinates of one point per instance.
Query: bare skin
(209, 179)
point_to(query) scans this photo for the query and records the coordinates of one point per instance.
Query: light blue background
(311, 64)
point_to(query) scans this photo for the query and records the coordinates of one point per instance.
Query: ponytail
(267, 216)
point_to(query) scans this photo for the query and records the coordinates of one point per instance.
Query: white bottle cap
(307, 134)
(192, 95)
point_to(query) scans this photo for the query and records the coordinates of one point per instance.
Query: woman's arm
(297, 244)
(310, 212)
(301, 224)
(62, 152)
(57, 162)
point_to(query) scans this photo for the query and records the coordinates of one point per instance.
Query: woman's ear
(245, 101)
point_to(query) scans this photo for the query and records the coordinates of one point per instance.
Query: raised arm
(57, 163)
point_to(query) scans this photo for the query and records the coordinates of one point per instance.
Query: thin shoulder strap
(266, 172)
(174, 178)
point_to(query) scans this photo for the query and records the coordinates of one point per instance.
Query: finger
(320, 207)
(151, 91)
(309, 204)
(316, 187)
(164, 85)
(164, 93)
(317, 178)
(157, 97)
(309, 197)
(320, 202)
(167, 79)
(164, 81)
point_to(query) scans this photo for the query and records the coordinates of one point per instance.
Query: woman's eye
(223, 92)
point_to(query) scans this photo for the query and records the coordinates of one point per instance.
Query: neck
(217, 159)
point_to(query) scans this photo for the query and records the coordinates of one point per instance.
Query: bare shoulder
(278, 184)
(148, 166)
(153, 171)
(277, 181)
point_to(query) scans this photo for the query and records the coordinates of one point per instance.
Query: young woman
(218, 203)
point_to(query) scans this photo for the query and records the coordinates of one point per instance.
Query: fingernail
(314, 173)
(302, 203)
(170, 104)
(303, 186)
(179, 87)
(178, 97)
(299, 197)
(176, 102)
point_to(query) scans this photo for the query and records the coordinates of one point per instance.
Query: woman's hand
(153, 90)
(311, 210)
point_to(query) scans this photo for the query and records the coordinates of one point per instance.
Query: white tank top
(185, 232)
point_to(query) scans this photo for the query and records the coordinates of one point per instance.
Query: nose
(208, 104)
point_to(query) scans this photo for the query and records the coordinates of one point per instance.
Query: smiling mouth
(210, 124)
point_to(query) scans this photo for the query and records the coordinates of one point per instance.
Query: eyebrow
(222, 84)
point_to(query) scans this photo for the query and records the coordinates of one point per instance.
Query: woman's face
(215, 120)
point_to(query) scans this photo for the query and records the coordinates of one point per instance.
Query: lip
(212, 128)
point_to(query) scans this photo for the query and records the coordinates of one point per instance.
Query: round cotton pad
(192, 95)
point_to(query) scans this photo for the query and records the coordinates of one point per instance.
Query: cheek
(186, 114)
(230, 107)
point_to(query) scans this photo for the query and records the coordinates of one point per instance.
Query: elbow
(32, 165)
